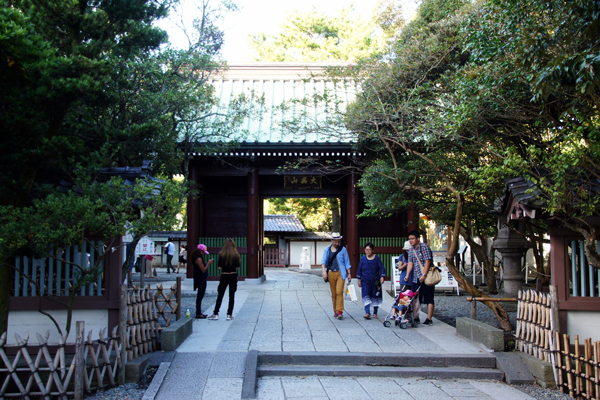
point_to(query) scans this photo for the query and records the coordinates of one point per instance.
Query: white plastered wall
(296, 252)
(32, 322)
(586, 324)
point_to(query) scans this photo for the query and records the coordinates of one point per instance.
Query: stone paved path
(292, 311)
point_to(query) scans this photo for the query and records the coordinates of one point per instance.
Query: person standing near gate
(420, 259)
(336, 268)
(229, 263)
(200, 268)
(170, 252)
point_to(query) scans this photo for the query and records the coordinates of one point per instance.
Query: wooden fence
(35, 372)
(274, 257)
(42, 370)
(576, 372)
(535, 324)
(142, 322)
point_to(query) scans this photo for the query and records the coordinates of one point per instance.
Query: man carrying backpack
(336, 267)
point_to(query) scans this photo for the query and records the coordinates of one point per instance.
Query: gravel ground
(447, 308)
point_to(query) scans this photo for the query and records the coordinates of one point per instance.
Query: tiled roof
(283, 223)
(308, 236)
(169, 234)
(278, 83)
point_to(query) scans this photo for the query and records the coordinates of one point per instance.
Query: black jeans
(200, 296)
(170, 263)
(226, 280)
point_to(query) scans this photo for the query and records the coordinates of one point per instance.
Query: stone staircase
(426, 366)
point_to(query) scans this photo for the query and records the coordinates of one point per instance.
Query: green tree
(316, 215)
(91, 84)
(315, 36)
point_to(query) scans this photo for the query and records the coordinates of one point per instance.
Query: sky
(263, 16)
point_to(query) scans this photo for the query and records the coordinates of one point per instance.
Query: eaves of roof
(282, 223)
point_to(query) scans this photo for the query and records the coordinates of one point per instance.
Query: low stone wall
(492, 338)
(172, 336)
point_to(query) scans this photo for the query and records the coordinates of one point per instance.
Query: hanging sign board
(302, 182)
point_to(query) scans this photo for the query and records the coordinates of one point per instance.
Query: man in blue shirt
(336, 268)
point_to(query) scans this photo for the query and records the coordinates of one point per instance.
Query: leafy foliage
(315, 36)
(89, 85)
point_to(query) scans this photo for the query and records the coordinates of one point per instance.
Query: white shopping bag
(351, 293)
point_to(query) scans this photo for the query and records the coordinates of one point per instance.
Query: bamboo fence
(576, 372)
(142, 322)
(29, 370)
(534, 325)
(34, 372)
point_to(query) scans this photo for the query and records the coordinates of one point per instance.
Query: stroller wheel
(387, 324)
(403, 325)
(397, 322)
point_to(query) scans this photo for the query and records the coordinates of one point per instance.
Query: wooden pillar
(352, 222)
(412, 219)
(193, 222)
(113, 267)
(253, 225)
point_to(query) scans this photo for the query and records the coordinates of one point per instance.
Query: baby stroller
(402, 305)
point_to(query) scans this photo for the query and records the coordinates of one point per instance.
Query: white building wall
(586, 324)
(33, 322)
(316, 249)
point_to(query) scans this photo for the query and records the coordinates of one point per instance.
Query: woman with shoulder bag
(200, 268)
(370, 274)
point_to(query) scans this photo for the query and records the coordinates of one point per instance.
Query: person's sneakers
(417, 321)
(214, 317)
(335, 315)
(229, 317)
(340, 315)
(428, 322)
(201, 316)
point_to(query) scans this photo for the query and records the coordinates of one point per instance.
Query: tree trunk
(538, 252)
(500, 312)
(480, 251)
(336, 220)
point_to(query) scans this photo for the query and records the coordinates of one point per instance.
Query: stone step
(377, 359)
(381, 371)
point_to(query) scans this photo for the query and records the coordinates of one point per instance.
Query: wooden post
(79, 361)
(122, 333)
(554, 331)
(474, 310)
(352, 223)
(252, 264)
(178, 297)
(193, 220)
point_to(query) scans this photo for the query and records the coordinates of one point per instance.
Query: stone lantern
(513, 247)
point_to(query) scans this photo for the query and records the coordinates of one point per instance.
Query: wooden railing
(55, 275)
(275, 258)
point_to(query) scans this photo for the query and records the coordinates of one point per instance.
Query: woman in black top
(229, 262)
(200, 275)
